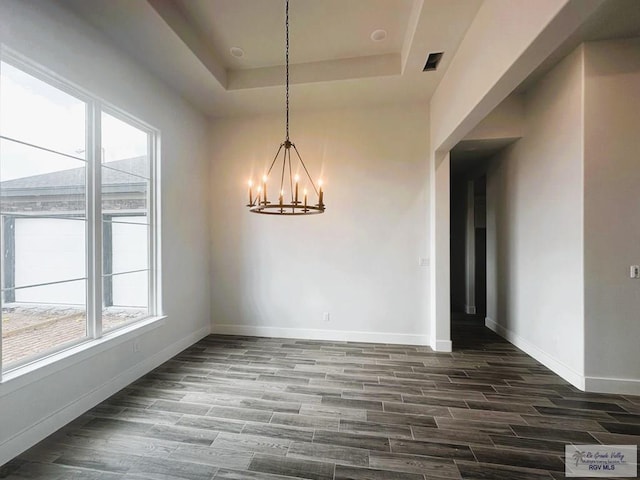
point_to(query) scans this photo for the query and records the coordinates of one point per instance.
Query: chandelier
(259, 202)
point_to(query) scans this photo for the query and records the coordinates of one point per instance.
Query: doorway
(468, 259)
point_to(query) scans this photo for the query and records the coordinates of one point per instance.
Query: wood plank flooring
(233, 408)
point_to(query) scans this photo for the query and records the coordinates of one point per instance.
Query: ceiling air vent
(432, 61)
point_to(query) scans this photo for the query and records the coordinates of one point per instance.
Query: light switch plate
(634, 271)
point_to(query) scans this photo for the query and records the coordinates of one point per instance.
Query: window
(77, 206)
(125, 176)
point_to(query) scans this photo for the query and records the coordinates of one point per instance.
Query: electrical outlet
(136, 346)
(423, 262)
(634, 271)
(326, 317)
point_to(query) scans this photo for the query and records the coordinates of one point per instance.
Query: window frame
(94, 333)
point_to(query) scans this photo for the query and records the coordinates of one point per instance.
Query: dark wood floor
(259, 408)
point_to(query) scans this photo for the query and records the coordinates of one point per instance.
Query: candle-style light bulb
(264, 188)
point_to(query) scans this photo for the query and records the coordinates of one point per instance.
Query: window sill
(22, 376)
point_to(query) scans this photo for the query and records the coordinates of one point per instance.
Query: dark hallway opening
(468, 247)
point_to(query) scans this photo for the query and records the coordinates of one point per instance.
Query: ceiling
(468, 155)
(334, 60)
(320, 31)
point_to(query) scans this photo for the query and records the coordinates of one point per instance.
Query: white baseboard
(20, 442)
(625, 386)
(442, 346)
(470, 309)
(566, 372)
(317, 334)
(628, 386)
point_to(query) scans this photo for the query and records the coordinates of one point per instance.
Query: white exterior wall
(39, 402)
(50, 250)
(129, 252)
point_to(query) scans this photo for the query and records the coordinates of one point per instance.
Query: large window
(77, 205)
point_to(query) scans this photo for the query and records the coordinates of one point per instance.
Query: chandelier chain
(287, 65)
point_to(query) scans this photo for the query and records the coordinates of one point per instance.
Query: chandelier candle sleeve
(250, 193)
(264, 188)
(296, 200)
(320, 195)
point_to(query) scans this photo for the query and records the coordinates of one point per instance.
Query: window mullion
(94, 224)
(155, 306)
(2, 280)
(2, 247)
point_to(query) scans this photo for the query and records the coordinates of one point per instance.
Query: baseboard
(566, 372)
(317, 334)
(624, 386)
(470, 309)
(20, 442)
(442, 345)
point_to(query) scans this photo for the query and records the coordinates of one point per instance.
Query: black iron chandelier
(258, 200)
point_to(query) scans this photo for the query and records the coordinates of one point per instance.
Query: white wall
(37, 403)
(358, 261)
(535, 227)
(507, 40)
(612, 215)
(440, 246)
(505, 121)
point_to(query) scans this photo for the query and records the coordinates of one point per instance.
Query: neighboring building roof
(121, 176)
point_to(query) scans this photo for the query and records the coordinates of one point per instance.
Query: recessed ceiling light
(378, 35)
(236, 52)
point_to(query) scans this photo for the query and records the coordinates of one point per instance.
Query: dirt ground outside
(29, 329)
